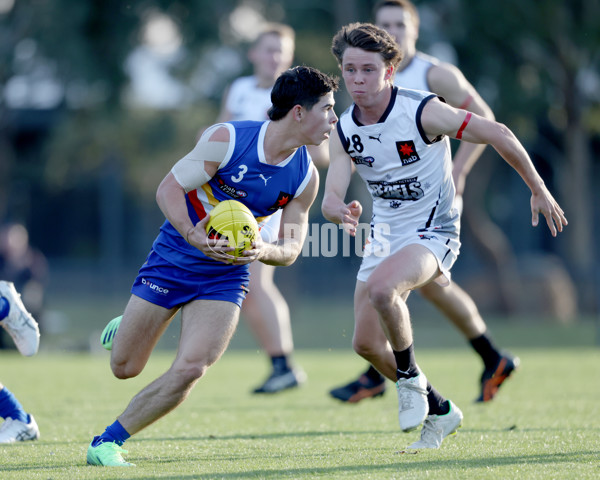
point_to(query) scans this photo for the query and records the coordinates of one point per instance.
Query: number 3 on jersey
(238, 178)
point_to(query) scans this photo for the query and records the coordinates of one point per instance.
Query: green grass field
(545, 423)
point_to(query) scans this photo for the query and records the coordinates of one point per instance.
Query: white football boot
(412, 401)
(438, 427)
(16, 431)
(19, 323)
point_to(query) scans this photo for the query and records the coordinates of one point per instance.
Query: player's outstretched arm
(339, 172)
(293, 229)
(449, 82)
(438, 118)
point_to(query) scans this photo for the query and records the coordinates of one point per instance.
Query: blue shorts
(162, 283)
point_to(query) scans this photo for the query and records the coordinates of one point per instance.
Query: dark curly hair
(299, 86)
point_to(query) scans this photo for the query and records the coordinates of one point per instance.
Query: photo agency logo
(331, 240)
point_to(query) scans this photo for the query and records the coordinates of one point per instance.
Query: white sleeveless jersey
(414, 76)
(408, 176)
(410, 180)
(247, 101)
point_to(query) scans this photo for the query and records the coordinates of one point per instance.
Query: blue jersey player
(18, 425)
(261, 164)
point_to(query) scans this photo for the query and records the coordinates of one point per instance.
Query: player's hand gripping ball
(233, 220)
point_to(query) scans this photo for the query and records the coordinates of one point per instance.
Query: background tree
(75, 148)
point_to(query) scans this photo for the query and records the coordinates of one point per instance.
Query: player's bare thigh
(206, 329)
(411, 267)
(261, 277)
(142, 325)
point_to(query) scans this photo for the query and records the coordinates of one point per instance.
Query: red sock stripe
(463, 126)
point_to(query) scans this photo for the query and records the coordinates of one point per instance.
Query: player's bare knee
(125, 370)
(363, 346)
(188, 373)
(381, 295)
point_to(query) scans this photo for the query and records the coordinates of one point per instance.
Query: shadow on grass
(341, 433)
(419, 461)
(266, 436)
(414, 462)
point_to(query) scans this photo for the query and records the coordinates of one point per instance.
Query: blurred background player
(265, 310)
(18, 425)
(419, 71)
(25, 267)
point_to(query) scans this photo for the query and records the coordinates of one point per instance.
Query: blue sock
(10, 406)
(4, 308)
(113, 433)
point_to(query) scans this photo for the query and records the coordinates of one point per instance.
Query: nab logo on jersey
(229, 190)
(407, 151)
(282, 200)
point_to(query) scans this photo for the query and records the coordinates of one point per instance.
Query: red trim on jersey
(463, 126)
(197, 204)
(467, 102)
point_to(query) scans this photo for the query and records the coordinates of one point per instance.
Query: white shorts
(445, 246)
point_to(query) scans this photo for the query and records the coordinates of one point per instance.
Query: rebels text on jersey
(406, 173)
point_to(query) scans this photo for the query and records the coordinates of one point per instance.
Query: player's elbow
(504, 133)
(161, 195)
(159, 198)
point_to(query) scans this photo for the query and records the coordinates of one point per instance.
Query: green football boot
(107, 454)
(109, 332)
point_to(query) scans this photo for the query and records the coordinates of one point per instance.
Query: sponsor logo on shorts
(424, 236)
(156, 288)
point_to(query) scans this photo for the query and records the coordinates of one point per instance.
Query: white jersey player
(419, 71)
(410, 180)
(414, 75)
(247, 99)
(368, 57)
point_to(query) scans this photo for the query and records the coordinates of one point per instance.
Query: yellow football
(233, 220)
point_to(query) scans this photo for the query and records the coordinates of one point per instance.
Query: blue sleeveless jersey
(246, 177)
